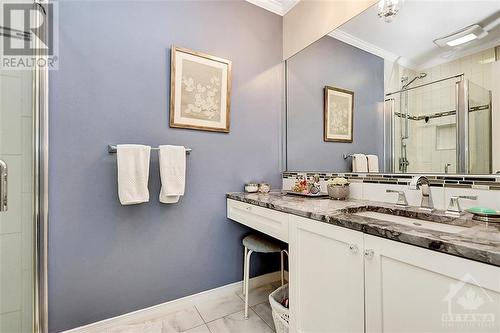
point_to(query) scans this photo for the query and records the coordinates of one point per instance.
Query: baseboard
(171, 306)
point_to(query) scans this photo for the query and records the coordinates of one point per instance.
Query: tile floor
(217, 315)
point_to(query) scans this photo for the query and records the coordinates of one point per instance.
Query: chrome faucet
(454, 208)
(402, 202)
(422, 183)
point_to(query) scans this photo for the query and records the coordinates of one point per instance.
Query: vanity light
(387, 9)
(461, 37)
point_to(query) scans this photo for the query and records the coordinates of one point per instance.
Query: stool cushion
(262, 244)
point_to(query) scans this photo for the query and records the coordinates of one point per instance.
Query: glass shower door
(480, 145)
(424, 128)
(17, 226)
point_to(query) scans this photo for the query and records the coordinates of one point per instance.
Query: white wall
(310, 20)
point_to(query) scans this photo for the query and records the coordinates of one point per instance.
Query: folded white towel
(133, 173)
(359, 163)
(372, 163)
(172, 173)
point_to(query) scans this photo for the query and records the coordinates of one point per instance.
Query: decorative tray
(485, 214)
(309, 195)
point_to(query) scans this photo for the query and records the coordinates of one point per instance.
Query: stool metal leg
(247, 280)
(245, 251)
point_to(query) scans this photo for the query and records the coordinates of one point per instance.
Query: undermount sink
(415, 223)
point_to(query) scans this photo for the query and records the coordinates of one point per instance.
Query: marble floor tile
(277, 284)
(258, 295)
(200, 329)
(216, 308)
(264, 311)
(155, 326)
(236, 323)
(181, 320)
(178, 321)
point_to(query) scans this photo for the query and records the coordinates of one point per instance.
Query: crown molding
(280, 7)
(370, 48)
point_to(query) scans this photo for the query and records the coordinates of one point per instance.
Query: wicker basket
(281, 315)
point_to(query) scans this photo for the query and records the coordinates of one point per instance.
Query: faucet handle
(470, 197)
(454, 208)
(401, 197)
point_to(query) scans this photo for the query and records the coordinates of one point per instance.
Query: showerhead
(422, 75)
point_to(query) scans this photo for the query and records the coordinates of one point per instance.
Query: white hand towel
(359, 163)
(372, 163)
(133, 173)
(172, 173)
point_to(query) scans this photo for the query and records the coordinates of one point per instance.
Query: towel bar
(345, 156)
(112, 149)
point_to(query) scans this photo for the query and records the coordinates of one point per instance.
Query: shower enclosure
(443, 126)
(23, 190)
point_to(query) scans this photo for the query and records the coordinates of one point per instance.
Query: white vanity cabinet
(343, 280)
(411, 289)
(346, 281)
(326, 277)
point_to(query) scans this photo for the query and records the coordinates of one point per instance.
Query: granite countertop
(478, 241)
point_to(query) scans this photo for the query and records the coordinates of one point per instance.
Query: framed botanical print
(200, 91)
(338, 115)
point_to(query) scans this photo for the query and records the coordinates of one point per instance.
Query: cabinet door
(412, 289)
(326, 278)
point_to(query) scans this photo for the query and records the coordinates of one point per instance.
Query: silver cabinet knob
(369, 253)
(354, 248)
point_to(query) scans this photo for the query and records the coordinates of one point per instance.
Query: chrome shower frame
(403, 159)
(41, 204)
(462, 107)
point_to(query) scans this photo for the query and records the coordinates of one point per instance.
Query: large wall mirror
(416, 83)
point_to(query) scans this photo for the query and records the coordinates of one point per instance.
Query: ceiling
(280, 7)
(412, 32)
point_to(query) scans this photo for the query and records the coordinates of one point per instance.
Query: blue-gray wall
(329, 62)
(112, 86)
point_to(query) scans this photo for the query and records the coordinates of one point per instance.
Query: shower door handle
(3, 186)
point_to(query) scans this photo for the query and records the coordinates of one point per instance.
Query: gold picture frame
(338, 115)
(200, 91)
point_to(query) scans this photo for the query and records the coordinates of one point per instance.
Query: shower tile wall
(437, 135)
(16, 224)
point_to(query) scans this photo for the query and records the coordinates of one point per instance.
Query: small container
(338, 192)
(264, 188)
(251, 188)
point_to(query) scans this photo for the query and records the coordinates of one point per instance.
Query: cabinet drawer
(267, 221)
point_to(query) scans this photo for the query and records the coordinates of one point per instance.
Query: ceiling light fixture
(462, 40)
(387, 9)
(463, 36)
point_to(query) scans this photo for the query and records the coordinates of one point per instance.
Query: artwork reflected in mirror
(339, 108)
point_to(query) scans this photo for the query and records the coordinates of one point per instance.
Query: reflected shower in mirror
(426, 90)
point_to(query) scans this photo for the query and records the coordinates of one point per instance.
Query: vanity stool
(260, 244)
